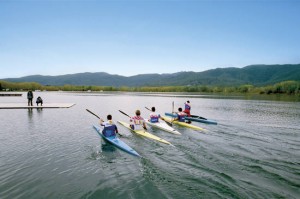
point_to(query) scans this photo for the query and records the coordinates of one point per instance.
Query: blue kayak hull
(194, 118)
(114, 140)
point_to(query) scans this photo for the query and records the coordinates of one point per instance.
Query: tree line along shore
(286, 87)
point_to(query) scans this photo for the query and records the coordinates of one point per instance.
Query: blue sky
(145, 36)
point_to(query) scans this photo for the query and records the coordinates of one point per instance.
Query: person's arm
(144, 125)
(176, 118)
(101, 122)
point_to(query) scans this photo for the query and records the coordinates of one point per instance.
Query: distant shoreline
(188, 95)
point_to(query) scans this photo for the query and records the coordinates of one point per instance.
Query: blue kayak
(194, 118)
(114, 140)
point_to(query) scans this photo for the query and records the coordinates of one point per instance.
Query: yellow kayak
(145, 133)
(183, 124)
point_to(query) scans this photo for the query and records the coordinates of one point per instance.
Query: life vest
(187, 107)
(138, 122)
(154, 117)
(181, 116)
(109, 130)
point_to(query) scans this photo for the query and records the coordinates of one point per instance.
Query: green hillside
(257, 75)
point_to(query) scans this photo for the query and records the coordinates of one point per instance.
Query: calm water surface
(253, 152)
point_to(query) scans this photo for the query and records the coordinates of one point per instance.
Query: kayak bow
(114, 140)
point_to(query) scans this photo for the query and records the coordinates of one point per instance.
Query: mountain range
(258, 75)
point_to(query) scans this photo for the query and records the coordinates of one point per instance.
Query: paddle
(124, 113)
(93, 113)
(98, 117)
(196, 116)
(168, 123)
(130, 117)
(173, 107)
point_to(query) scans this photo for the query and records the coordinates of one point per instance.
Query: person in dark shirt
(39, 100)
(29, 97)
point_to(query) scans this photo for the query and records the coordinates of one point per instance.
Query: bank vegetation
(286, 87)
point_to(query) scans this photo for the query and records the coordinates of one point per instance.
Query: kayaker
(39, 100)
(154, 117)
(181, 116)
(187, 108)
(137, 122)
(29, 97)
(110, 129)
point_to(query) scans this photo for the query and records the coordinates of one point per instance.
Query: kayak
(183, 124)
(145, 133)
(114, 140)
(195, 118)
(163, 126)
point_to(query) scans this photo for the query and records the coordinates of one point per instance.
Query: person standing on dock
(30, 97)
(187, 108)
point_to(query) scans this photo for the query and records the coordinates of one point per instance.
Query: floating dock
(10, 94)
(24, 105)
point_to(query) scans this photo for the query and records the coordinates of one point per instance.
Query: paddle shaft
(148, 108)
(173, 107)
(93, 113)
(124, 113)
(98, 118)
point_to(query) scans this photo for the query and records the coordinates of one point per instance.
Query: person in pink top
(137, 122)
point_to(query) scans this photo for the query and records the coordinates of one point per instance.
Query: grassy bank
(286, 87)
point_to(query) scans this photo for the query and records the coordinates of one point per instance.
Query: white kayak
(163, 126)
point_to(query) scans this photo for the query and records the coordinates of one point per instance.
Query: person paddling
(137, 122)
(110, 129)
(181, 116)
(187, 108)
(154, 117)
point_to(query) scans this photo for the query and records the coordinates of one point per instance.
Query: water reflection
(39, 110)
(30, 114)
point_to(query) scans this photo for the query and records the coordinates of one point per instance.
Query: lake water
(253, 152)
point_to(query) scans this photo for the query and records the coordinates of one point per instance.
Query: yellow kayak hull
(183, 124)
(145, 133)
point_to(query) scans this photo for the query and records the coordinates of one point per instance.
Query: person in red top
(187, 108)
(137, 122)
